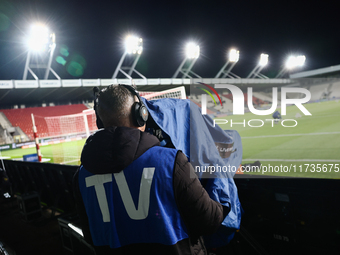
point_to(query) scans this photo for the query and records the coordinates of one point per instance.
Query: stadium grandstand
(282, 214)
(16, 122)
(21, 119)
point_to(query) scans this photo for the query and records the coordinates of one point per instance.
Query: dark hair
(114, 105)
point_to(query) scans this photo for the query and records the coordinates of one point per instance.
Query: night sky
(92, 32)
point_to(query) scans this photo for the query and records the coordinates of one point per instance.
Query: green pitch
(310, 149)
(63, 153)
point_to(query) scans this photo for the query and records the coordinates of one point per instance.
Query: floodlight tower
(256, 71)
(233, 58)
(40, 41)
(133, 47)
(192, 52)
(291, 63)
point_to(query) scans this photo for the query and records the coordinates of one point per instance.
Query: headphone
(140, 113)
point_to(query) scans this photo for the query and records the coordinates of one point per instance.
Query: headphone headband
(139, 111)
(133, 91)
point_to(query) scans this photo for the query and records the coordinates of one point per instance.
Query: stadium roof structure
(331, 71)
(38, 92)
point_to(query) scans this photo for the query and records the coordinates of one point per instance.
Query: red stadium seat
(22, 117)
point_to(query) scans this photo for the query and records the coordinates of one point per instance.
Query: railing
(18, 84)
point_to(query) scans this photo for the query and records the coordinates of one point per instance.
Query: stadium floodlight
(263, 59)
(295, 61)
(256, 71)
(133, 45)
(41, 41)
(192, 52)
(134, 48)
(233, 57)
(39, 38)
(291, 63)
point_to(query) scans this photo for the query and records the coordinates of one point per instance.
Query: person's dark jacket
(111, 150)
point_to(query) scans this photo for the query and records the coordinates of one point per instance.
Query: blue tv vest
(136, 205)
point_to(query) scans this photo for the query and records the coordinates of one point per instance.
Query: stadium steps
(5, 129)
(335, 90)
(2, 136)
(4, 122)
(318, 91)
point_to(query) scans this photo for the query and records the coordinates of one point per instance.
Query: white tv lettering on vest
(238, 105)
(142, 210)
(98, 182)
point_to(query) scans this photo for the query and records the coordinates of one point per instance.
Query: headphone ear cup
(143, 112)
(140, 114)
